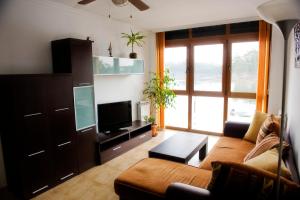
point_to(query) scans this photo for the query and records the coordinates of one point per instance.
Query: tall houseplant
(158, 91)
(134, 38)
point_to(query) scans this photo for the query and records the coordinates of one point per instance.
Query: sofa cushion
(270, 141)
(270, 125)
(238, 181)
(155, 175)
(227, 149)
(269, 161)
(257, 121)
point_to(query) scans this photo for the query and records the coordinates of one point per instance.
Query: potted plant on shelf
(151, 120)
(134, 38)
(158, 91)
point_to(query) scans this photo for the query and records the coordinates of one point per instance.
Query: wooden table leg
(202, 152)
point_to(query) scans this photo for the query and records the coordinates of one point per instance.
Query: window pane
(244, 67)
(208, 62)
(207, 114)
(175, 61)
(177, 116)
(241, 110)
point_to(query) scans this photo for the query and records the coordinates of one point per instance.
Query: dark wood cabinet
(40, 143)
(30, 93)
(73, 56)
(34, 132)
(60, 91)
(87, 148)
(37, 173)
(65, 161)
(62, 124)
(38, 131)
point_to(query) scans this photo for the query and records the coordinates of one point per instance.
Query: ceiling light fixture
(120, 2)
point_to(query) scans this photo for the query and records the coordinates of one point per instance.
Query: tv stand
(115, 143)
(119, 131)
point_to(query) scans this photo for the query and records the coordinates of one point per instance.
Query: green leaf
(159, 91)
(134, 38)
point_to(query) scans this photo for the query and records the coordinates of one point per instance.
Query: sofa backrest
(290, 160)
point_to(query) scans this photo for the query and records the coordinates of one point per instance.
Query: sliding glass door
(176, 61)
(207, 92)
(215, 81)
(243, 82)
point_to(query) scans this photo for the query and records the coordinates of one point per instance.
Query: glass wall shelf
(117, 66)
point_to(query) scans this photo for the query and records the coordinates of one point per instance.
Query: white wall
(276, 70)
(293, 87)
(28, 26)
(293, 99)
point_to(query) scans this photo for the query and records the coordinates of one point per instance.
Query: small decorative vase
(133, 55)
(154, 130)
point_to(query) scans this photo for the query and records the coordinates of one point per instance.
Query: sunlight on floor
(98, 182)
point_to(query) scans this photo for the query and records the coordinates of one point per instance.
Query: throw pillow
(269, 161)
(269, 142)
(254, 127)
(238, 181)
(270, 125)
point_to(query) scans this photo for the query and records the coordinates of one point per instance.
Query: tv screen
(113, 116)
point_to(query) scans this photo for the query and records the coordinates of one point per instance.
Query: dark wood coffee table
(181, 147)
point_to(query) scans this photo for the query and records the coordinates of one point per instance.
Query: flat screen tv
(114, 116)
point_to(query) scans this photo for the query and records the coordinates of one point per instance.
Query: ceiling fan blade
(139, 4)
(84, 2)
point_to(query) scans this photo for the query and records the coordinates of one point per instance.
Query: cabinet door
(84, 107)
(87, 148)
(65, 157)
(82, 64)
(30, 96)
(61, 109)
(37, 174)
(60, 92)
(63, 127)
(31, 113)
(65, 161)
(34, 132)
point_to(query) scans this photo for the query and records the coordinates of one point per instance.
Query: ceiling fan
(139, 4)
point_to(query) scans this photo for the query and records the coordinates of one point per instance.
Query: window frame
(226, 93)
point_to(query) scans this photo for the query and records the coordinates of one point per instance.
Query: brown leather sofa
(157, 179)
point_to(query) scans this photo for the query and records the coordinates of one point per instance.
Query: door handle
(71, 174)
(63, 144)
(42, 188)
(116, 148)
(61, 109)
(36, 153)
(33, 114)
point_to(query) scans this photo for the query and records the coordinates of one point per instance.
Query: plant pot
(154, 130)
(133, 55)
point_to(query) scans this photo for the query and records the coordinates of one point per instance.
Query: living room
(45, 43)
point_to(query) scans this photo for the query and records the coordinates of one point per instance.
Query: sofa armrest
(235, 129)
(179, 191)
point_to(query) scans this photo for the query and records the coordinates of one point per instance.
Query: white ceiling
(174, 14)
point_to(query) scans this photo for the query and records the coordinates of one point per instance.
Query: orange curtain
(263, 66)
(160, 46)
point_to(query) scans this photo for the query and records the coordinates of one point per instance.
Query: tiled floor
(97, 183)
